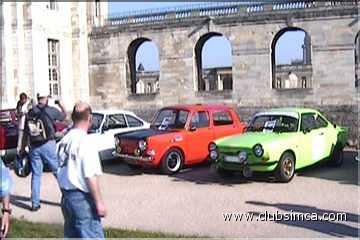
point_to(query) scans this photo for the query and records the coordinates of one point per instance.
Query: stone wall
(332, 34)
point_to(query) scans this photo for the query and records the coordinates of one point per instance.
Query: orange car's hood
(143, 133)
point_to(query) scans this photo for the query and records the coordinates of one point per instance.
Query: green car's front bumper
(254, 165)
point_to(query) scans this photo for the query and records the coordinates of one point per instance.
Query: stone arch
(224, 75)
(141, 75)
(357, 58)
(297, 74)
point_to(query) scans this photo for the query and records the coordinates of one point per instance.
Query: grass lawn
(26, 229)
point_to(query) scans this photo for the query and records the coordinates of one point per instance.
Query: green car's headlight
(258, 150)
(242, 156)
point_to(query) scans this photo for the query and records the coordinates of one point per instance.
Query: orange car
(179, 135)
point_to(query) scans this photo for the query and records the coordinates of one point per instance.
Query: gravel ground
(193, 201)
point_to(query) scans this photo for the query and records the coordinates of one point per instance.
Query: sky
(216, 51)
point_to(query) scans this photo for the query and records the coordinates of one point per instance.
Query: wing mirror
(192, 129)
(104, 128)
(306, 130)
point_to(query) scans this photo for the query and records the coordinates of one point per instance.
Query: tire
(223, 172)
(172, 162)
(337, 157)
(285, 170)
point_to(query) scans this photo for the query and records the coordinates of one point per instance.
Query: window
(303, 82)
(52, 5)
(97, 8)
(115, 121)
(222, 118)
(171, 118)
(200, 120)
(54, 67)
(133, 122)
(278, 82)
(273, 123)
(308, 121)
(321, 122)
(96, 122)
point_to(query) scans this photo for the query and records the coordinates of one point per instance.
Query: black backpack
(38, 128)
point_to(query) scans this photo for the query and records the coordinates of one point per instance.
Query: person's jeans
(80, 216)
(45, 153)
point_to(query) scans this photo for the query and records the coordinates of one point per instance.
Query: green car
(280, 141)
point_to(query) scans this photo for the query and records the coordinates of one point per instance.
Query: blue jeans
(80, 216)
(45, 153)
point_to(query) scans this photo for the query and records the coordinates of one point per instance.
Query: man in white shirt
(78, 174)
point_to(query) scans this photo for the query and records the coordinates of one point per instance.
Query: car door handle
(321, 134)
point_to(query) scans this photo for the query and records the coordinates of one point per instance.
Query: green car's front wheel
(337, 157)
(285, 169)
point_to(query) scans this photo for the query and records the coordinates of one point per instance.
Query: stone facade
(331, 27)
(95, 63)
(26, 29)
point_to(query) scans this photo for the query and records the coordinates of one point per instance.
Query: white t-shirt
(78, 159)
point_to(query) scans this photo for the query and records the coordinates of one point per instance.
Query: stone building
(44, 45)
(217, 79)
(147, 82)
(74, 50)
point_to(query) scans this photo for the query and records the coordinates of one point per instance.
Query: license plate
(233, 159)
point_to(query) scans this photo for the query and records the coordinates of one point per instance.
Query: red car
(9, 132)
(179, 135)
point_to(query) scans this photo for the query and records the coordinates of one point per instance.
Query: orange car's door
(224, 124)
(199, 135)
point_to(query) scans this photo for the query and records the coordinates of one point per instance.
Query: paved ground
(193, 201)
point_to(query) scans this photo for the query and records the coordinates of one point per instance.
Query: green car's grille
(235, 151)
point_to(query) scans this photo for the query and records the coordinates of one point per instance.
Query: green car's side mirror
(306, 130)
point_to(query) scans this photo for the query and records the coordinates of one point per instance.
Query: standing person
(5, 199)
(43, 150)
(78, 174)
(22, 108)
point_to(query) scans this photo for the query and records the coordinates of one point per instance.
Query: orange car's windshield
(170, 119)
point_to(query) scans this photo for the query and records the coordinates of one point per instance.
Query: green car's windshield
(273, 123)
(170, 119)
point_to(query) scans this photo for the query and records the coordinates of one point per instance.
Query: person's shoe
(34, 208)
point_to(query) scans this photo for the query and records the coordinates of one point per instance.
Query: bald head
(81, 112)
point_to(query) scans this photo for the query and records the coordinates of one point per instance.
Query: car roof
(113, 111)
(199, 107)
(293, 112)
(298, 110)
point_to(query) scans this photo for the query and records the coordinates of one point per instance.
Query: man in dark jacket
(46, 150)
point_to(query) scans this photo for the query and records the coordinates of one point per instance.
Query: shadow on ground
(346, 174)
(25, 202)
(335, 229)
(206, 174)
(118, 167)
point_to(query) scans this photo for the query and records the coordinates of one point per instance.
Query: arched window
(213, 63)
(291, 59)
(357, 59)
(144, 66)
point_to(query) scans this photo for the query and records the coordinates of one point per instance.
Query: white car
(109, 122)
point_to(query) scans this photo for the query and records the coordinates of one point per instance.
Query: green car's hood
(249, 139)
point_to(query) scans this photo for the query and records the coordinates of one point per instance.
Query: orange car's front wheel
(172, 161)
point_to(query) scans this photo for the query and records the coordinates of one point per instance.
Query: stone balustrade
(218, 9)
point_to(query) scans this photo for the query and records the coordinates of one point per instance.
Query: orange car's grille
(128, 146)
